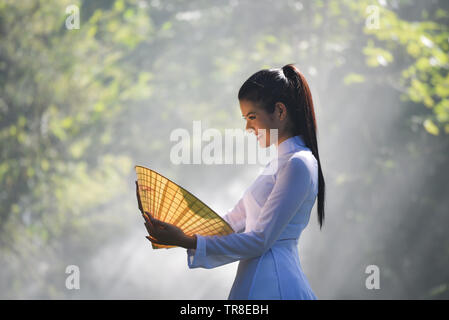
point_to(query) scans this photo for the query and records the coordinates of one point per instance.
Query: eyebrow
(243, 116)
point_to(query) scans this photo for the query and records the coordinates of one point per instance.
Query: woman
(274, 210)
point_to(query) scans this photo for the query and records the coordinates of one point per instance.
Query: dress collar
(291, 144)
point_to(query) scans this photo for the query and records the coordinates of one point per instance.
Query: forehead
(248, 106)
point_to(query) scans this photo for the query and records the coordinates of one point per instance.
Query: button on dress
(268, 221)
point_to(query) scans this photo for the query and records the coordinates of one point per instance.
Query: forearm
(225, 249)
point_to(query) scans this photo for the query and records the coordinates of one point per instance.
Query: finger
(151, 229)
(153, 240)
(150, 218)
(155, 223)
(153, 219)
(147, 217)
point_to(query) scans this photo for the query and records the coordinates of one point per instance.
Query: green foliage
(59, 88)
(424, 45)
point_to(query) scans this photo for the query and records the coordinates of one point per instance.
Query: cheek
(263, 124)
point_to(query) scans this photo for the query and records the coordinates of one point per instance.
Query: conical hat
(173, 204)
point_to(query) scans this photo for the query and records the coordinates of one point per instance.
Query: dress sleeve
(289, 192)
(236, 217)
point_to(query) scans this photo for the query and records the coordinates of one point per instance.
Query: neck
(284, 137)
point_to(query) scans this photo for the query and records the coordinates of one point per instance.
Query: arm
(236, 217)
(289, 192)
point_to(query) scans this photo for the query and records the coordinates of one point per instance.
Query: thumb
(159, 223)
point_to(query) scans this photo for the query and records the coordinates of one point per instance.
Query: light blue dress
(267, 221)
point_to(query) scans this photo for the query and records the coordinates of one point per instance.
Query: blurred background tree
(78, 108)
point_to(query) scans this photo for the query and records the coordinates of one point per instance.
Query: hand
(167, 234)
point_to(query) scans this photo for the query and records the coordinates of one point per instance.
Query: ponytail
(303, 117)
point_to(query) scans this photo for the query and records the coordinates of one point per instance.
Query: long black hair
(288, 85)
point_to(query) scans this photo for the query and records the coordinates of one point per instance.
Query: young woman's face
(257, 118)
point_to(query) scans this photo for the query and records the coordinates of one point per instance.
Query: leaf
(353, 78)
(431, 128)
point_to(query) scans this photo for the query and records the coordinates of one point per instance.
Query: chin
(263, 142)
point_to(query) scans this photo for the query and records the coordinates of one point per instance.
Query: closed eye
(250, 115)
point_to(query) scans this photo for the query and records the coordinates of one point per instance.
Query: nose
(248, 128)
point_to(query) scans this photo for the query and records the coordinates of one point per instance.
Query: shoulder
(298, 164)
(301, 158)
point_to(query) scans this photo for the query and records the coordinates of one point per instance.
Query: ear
(281, 111)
